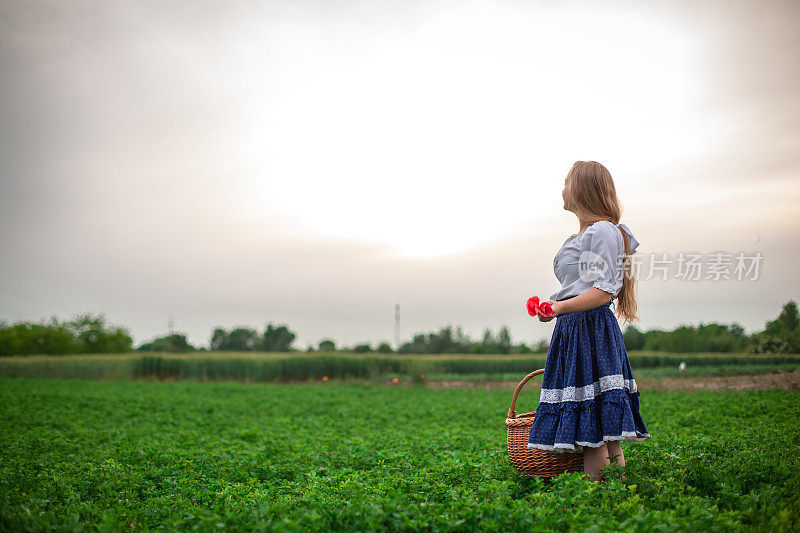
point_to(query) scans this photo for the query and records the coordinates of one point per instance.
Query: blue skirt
(588, 392)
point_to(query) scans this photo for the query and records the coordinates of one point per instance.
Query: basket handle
(511, 412)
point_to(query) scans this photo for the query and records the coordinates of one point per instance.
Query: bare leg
(615, 449)
(594, 459)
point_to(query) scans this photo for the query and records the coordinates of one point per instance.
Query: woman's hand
(543, 318)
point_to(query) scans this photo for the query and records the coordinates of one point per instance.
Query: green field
(281, 367)
(101, 455)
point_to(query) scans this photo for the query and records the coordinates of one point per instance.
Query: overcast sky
(315, 162)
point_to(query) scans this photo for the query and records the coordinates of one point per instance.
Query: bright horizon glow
(426, 141)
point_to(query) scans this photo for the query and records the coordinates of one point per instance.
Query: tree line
(279, 338)
(87, 333)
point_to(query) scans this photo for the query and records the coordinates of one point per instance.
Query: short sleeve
(600, 261)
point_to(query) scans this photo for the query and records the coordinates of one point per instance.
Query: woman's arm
(590, 299)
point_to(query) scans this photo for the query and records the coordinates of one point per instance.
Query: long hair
(591, 195)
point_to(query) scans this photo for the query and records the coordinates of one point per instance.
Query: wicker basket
(535, 463)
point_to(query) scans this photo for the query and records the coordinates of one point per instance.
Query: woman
(589, 400)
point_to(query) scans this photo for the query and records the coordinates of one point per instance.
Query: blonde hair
(591, 195)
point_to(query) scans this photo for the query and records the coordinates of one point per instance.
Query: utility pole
(397, 327)
(171, 324)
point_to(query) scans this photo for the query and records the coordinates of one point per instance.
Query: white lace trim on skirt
(578, 394)
(561, 447)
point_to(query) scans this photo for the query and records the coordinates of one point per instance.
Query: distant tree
(362, 348)
(787, 322)
(175, 343)
(219, 340)
(504, 340)
(781, 335)
(445, 340)
(25, 338)
(241, 339)
(327, 345)
(385, 347)
(84, 333)
(767, 344)
(521, 348)
(688, 339)
(786, 327)
(633, 338)
(542, 346)
(490, 344)
(736, 330)
(486, 345)
(96, 336)
(441, 342)
(488, 338)
(416, 345)
(277, 339)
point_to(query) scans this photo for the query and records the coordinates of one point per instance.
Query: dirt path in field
(781, 380)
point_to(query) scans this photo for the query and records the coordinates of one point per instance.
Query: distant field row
(267, 367)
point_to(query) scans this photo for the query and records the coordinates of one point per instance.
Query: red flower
(534, 307)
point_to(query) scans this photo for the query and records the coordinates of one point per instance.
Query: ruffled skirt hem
(571, 426)
(564, 447)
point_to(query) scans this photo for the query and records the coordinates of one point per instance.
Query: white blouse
(592, 259)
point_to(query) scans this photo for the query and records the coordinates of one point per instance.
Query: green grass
(187, 455)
